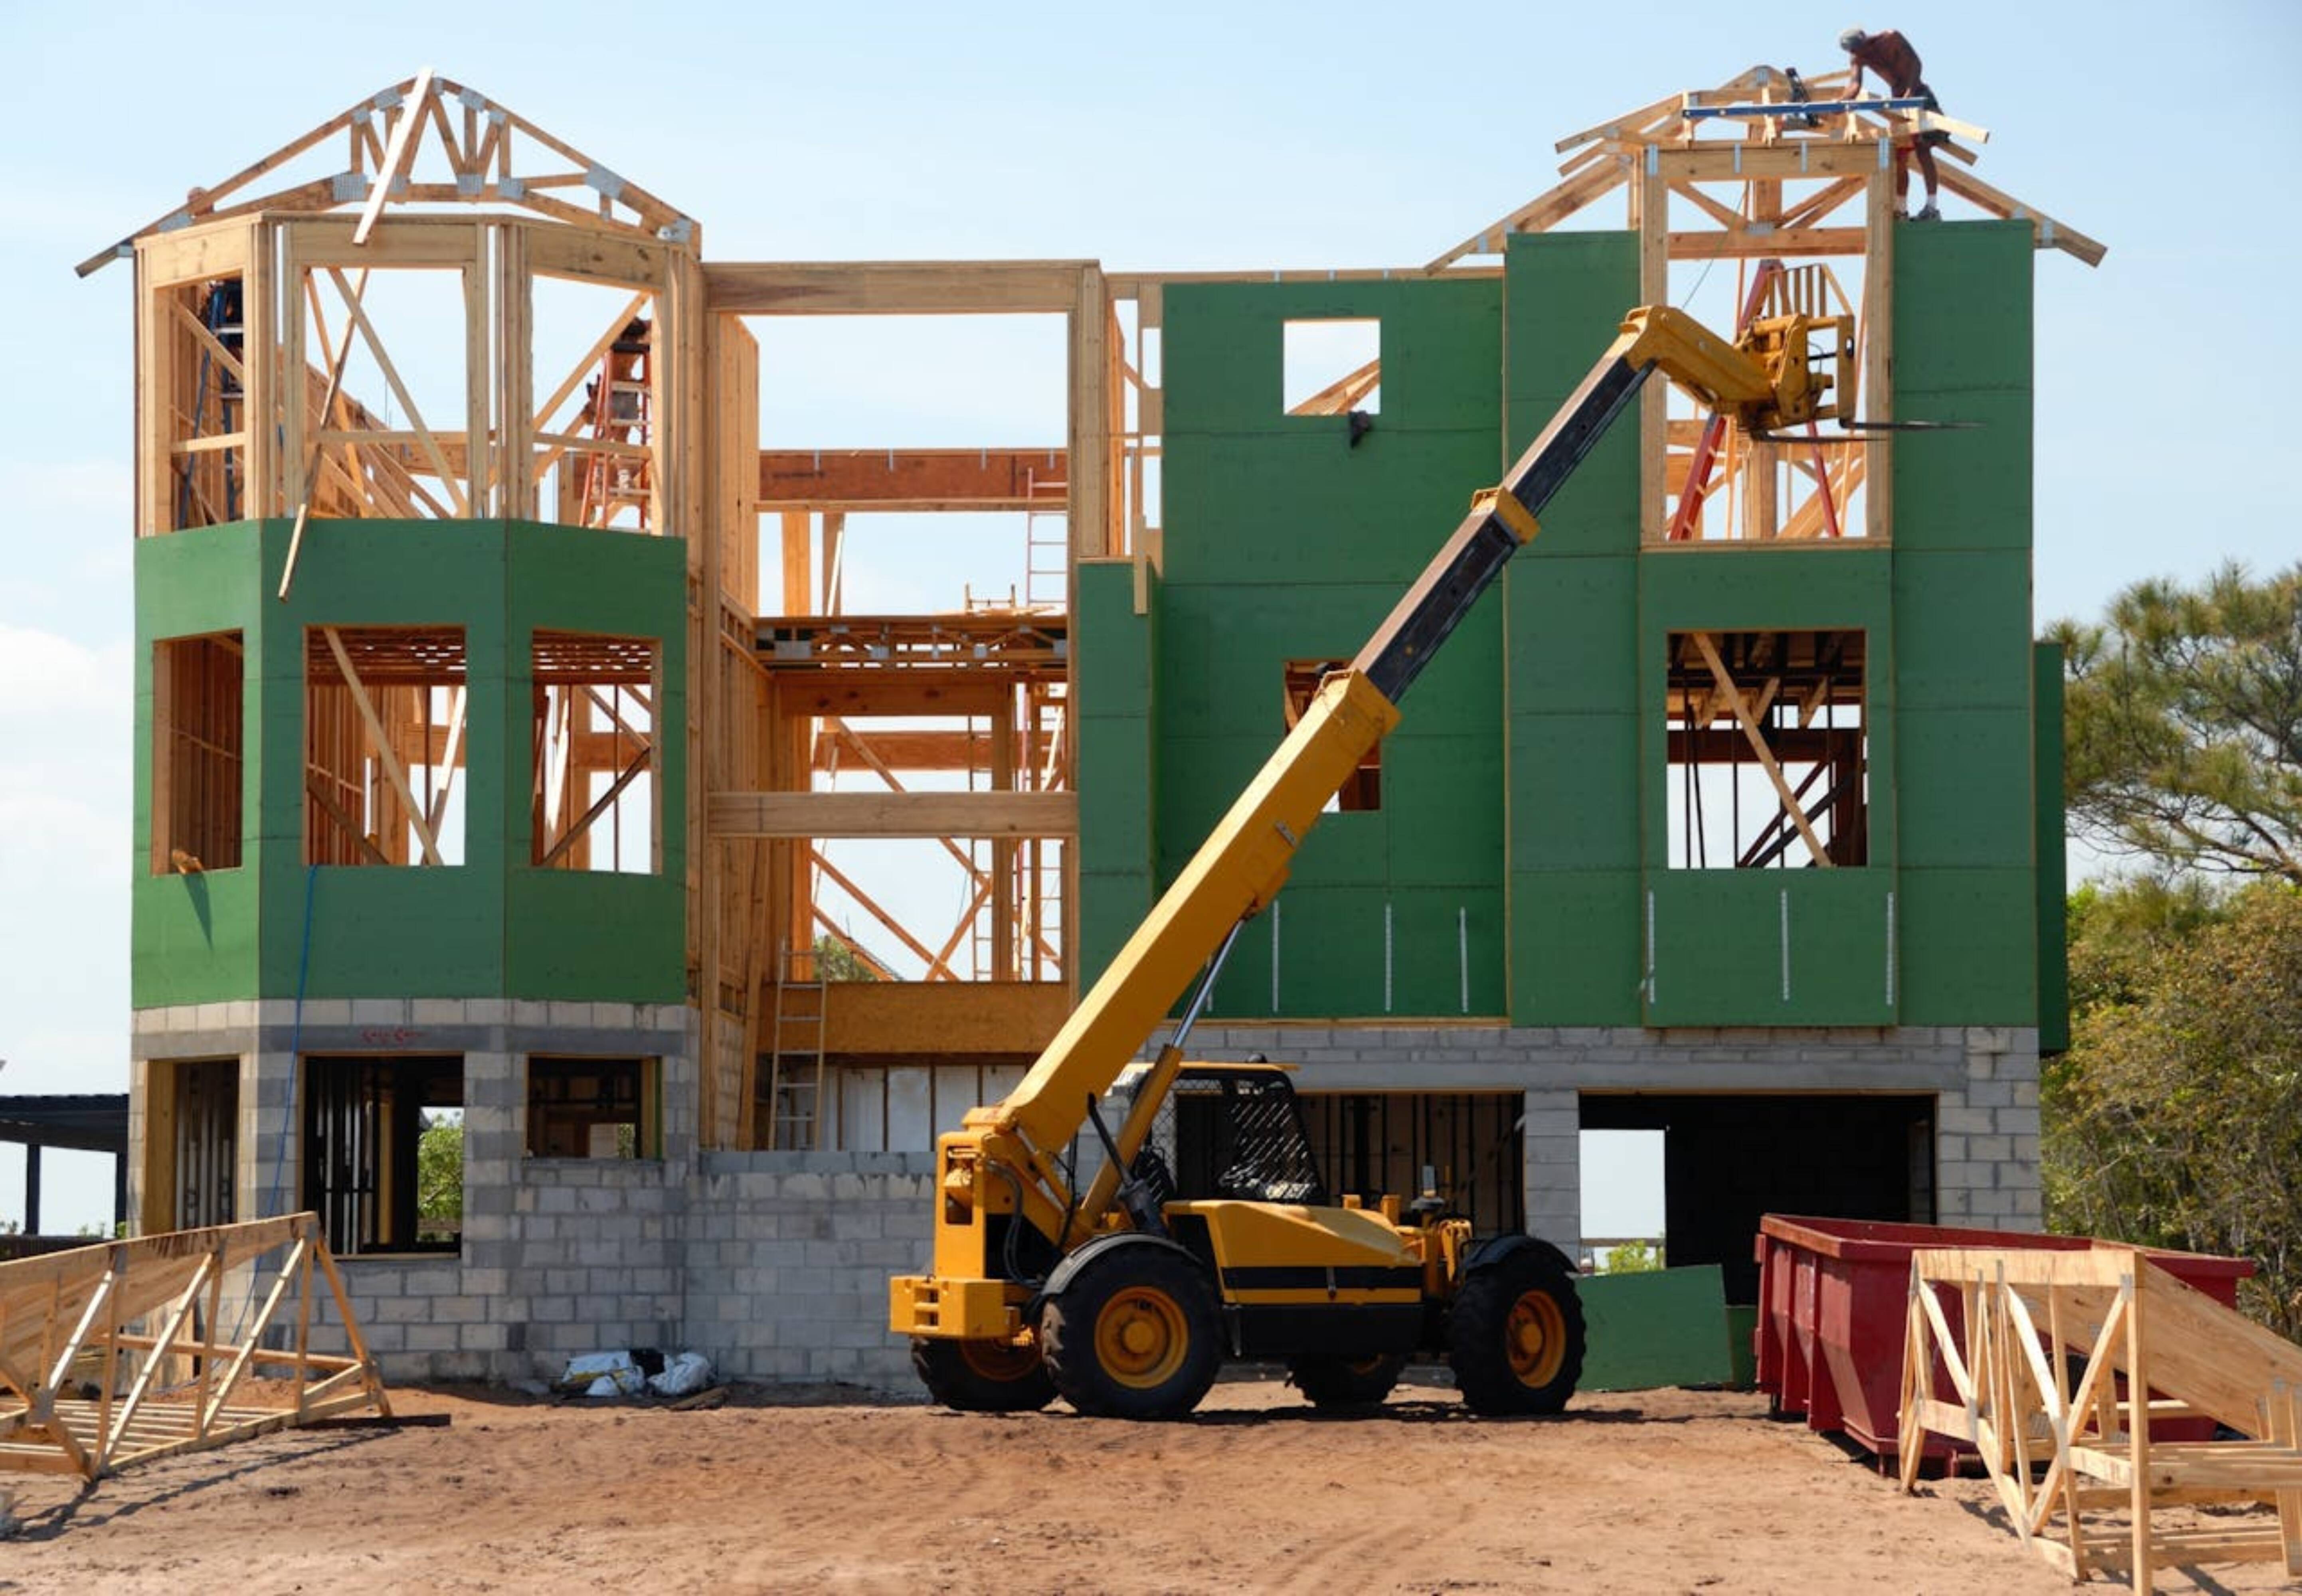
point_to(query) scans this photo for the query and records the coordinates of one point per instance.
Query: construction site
(510, 760)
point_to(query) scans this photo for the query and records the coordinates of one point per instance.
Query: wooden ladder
(796, 1054)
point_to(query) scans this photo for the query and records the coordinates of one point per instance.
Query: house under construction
(510, 756)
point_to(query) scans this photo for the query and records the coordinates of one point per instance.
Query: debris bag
(685, 1374)
(602, 1374)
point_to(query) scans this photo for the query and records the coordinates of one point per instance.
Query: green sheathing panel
(1662, 1327)
(1570, 605)
(1787, 946)
(192, 938)
(1282, 542)
(611, 936)
(487, 927)
(1111, 717)
(1973, 940)
(2054, 949)
(375, 931)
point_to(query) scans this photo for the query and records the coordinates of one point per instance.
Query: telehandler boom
(1125, 1295)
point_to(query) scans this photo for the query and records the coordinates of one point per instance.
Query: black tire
(1134, 1335)
(982, 1376)
(1516, 1337)
(1347, 1382)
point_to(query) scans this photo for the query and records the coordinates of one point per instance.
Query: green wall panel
(1223, 652)
(1962, 630)
(1576, 947)
(1731, 587)
(1572, 778)
(1282, 542)
(1222, 353)
(1563, 296)
(1771, 947)
(1308, 507)
(1969, 947)
(193, 938)
(1111, 664)
(449, 931)
(2054, 926)
(1966, 789)
(1572, 622)
(1962, 306)
(1968, 488)
(1656, 1328)
(578, 934)
(1442, 806)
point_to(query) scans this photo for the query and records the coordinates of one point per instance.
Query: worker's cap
(1851, 40)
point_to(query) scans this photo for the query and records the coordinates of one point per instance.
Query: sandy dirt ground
(1649, 1491)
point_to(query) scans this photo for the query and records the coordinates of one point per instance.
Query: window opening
(197, 758)
(592, 1108)
(1768, 750)
(1362, 790)
(383, 1143)
(593, 795)
(205, 324)
(192, 1108)
(1332, 367)
(385, 714)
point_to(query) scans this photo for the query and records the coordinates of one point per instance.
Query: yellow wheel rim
(1141, 1337)
(997, 1361)
(1534, 1336)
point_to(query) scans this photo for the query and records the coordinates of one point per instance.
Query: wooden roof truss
(132, 1350)
(427, 140)
(2058, 1366)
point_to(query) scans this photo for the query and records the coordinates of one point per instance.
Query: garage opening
(1727, 1160)
(1371, 1144)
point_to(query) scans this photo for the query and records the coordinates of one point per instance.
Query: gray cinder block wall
(776, 1265)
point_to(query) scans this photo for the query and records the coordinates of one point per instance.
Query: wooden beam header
(893, 814)
(914, 479)
(892, 288)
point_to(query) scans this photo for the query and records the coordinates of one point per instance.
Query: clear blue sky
(1184, 135)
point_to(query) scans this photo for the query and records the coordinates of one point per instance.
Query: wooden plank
(892, 287)
(1758, 741)
(2051, 234)
(380, 745)
(909, 479)
(397, 154)
(893, 814)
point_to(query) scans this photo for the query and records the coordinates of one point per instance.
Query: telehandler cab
(1211, 1235)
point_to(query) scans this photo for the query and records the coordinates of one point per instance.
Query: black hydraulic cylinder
(1482, 545)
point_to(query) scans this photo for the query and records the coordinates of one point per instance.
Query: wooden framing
(648, 422)
(2061, 1445)
(480, 148)
(141, 1322)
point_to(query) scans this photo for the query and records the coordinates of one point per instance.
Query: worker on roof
(1890, 56)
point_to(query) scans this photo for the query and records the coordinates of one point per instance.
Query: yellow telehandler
(1124, 1291)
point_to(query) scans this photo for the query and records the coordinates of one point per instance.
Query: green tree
(839, 960)
(2184, 724)
(2176, 1119)
(1632, 1257)
(440, 1179)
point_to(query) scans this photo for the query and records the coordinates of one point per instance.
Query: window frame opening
(1362, 791)
(364, 1120)
(199, 762)
(573, 1098)
(372, 695)
(1772, 728)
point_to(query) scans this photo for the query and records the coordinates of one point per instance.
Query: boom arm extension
(1239, 869)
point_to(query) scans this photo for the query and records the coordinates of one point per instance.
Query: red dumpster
(1833, 1295)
